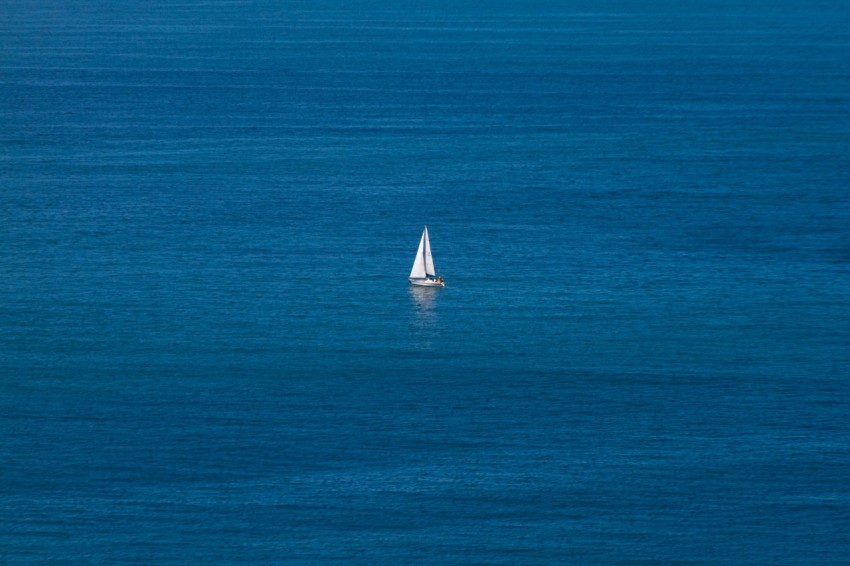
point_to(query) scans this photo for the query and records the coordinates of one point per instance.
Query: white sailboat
(423, 272)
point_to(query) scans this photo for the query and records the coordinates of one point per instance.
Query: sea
(210, 352)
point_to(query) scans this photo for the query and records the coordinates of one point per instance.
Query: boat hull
(427, 283)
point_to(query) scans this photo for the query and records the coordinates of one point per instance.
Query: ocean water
(209, 351)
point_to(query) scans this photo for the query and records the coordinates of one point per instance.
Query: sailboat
(423, 272)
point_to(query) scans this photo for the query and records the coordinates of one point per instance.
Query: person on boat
(440, 279)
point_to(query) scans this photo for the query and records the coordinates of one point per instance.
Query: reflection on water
(424, 301)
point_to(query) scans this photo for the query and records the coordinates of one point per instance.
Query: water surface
(209, 351)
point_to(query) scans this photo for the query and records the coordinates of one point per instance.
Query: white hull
(427, 283)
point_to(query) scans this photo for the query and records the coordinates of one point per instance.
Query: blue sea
(210, 352)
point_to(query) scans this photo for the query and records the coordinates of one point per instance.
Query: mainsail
(429, 261)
